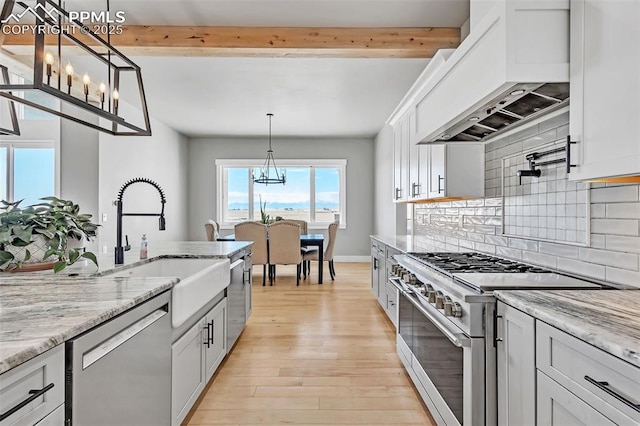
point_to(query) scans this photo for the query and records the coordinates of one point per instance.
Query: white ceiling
(201, 96)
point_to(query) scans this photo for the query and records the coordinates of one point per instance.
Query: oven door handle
(399, 285)
(460, 340)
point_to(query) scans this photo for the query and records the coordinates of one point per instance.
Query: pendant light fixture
(267, 176)
(54, 79)
(13, 117)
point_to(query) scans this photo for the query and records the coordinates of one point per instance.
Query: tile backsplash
(592, 230)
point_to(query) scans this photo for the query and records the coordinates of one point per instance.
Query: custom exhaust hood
(511, 69)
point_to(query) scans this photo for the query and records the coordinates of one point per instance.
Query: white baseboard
(352, 259)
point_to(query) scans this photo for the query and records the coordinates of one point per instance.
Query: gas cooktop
(473, 262)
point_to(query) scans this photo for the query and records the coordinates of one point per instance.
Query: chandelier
(267, 177)
(11, 108)
(57, 39)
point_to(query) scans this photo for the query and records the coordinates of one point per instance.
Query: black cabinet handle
(568, 153)
(375, 263)
(398, 193)
(440, 179)
(605, 387)
(35, 394)
(208, 341)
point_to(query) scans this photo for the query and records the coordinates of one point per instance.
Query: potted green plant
(263, 212)
(43, 233)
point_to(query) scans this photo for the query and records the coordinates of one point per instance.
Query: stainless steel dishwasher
(237, 299)
(120, 372)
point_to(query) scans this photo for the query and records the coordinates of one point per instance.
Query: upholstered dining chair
(284, 246)
(213, 230)
(256, 232)
(328, 252)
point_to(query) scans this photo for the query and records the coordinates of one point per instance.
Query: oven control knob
(432, 295)
(413, 280)
(452, 309)
(439, 300)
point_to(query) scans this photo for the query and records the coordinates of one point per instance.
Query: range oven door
(449, 366)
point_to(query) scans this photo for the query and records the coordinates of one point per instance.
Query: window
(314, 191)
(27, 171)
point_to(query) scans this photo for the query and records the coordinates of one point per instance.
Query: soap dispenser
(143, 247)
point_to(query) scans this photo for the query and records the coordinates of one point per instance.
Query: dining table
(306, 240)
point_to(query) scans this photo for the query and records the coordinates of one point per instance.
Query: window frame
(11, 146)
(222, 165)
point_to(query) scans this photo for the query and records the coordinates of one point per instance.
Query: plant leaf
(91, 257)
(27, 255)
(74, 254)
(5, 257)
(59, 266)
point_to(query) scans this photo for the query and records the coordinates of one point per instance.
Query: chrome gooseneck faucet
(119, 249)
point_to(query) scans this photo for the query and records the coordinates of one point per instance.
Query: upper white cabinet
(605, 89)
(456, 170)
(401, 144)
(514, 42)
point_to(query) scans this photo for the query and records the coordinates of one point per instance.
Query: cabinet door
(55, 418)
(382, 278)
(397, 161)
(187, 371)
(215, 345)
(557, 406)
(437, 171)
(248, 285)
(605, 88)
(516, 367)
(375, 264)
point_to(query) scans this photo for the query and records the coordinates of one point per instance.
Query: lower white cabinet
(33, 390)
(55, 418)
(549, 377)
(194, 358)
(516, 349)
(557, 406)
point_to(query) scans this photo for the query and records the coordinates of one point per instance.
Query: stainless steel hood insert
(518, 105)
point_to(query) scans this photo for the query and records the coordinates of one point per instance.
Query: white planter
(37, 249)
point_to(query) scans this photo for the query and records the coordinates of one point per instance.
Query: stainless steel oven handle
(458, 339)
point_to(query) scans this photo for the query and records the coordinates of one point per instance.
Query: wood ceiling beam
(272, 41)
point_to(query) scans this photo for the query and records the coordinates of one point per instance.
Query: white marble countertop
(607, 319)
(41, 310)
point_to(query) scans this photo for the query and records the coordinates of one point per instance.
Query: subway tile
(615, 194)
(623, 210)
(479, 238)
(539, 139)
(562, 250)
(554, 122)
(598, 210)
(540, 259)
(466, 244)
(563, 131)
(582, 268)
(523, 244)
(485, 248)
(609, 258)
(524, 134)
(509, 252)
(615, 227)
(598, 241)
(624, 244)
(496, 240)
(622, 276)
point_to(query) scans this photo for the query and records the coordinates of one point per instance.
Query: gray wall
(359, 153)
(547, 207)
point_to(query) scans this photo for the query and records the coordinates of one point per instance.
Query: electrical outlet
(104, 217)
(105, 249)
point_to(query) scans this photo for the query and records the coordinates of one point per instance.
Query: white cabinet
(456, 170)
(55, 418)
(605, 89)
(33, 390)
(401, 146)
(559, 407)
(375, 265)
(194, 358)
(516, 367)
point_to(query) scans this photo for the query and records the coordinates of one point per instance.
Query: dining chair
(284, 247)
(213, 230)
(328, 252)
(256, 232)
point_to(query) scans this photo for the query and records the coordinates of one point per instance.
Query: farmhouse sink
(200, 281)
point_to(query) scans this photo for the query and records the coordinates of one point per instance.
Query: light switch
(104, 217)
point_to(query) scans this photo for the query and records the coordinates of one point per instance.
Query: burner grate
(474, 262)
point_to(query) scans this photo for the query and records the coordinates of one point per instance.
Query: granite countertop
(40, 310)
(607, 319)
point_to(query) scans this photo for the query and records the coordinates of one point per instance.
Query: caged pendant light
(58, 35)
(267, 177)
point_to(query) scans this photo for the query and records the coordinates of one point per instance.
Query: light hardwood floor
(314, 354)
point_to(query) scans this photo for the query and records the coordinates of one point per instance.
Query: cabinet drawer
(18, 384)
(392, 303)
(56, 418)
(584, 370)
(557, 406)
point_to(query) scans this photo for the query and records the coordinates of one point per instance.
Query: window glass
(327, 194)
(289, 201)
(237, 195)
(34, 174)
(3, 173)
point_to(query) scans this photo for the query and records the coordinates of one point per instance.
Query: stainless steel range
(447, 326)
